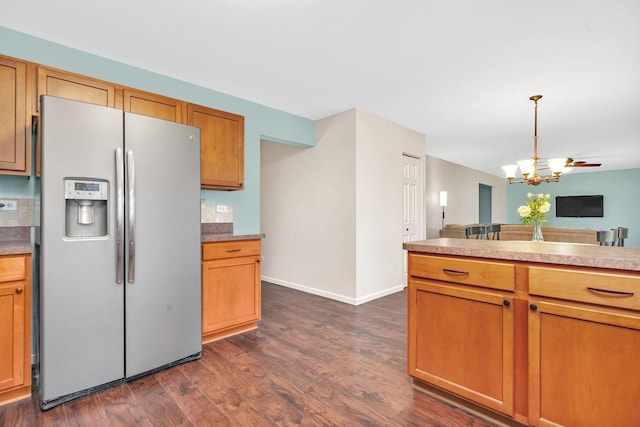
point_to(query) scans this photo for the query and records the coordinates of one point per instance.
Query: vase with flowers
(534, 211)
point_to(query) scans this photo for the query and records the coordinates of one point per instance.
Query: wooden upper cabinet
(152, 105)
(15, 118)
(76, 87)
(221, 147)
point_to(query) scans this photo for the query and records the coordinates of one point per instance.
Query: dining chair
(607, 237)
(476, 230)
(493, 231)
(623, 233)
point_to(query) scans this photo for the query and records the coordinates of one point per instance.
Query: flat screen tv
(579, 206)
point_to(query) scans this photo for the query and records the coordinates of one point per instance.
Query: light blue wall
(621, 191)
(260, 122)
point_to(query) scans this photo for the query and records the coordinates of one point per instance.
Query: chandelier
(529, 168)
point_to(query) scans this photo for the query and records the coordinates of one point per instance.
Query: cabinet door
(583, 366)
(152, 105)
(221, 147)
(462, 341)
(230, 293)
(73, 86)
(12, 334)
(15, 122)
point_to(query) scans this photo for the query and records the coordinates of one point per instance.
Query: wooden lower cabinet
(15, 327)
(462, 340)
(562, 349)
(584, 365)
(231, 288)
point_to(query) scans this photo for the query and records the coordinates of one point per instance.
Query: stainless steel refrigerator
(120, 292)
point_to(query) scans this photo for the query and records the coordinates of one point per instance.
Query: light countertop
(572, 254)
(15, 240)
(225, 237)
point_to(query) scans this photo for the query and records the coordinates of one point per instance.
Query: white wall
(308, 211)
(379, 218)
(461, 184)
(332, 214)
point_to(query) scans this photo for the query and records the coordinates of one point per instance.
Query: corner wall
(332, 214)
(308, 211)
(462, 186)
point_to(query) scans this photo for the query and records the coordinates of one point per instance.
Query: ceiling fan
(580, 164)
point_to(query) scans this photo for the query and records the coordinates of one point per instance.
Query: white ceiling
(459, 71)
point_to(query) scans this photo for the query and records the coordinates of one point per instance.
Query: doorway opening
(484, 204)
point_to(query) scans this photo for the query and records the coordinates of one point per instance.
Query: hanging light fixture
(529, 168)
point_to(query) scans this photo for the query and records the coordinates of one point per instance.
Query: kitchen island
(527, 333)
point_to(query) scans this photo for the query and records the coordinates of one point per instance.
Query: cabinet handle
(533, 307)
(506, 303)
(456, 272)
(609, 291)
(234, 250)
(18, 290)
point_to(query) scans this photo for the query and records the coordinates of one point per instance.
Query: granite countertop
(223, 232)
(225, 237)
(573, 254)
(15, 240)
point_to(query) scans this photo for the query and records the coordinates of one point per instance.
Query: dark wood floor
(312, 362)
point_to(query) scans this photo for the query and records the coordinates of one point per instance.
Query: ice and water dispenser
(86, 207)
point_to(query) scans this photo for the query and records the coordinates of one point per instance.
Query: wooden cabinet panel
(463, 341)
(583, 366)
(221, 147)
(15, 327)
(76, 87)
(12, 269)
(231, 289)
(488, 274)
(150, 104)
(15, 118)
(11, 336)
(596, 287)
(231, 249)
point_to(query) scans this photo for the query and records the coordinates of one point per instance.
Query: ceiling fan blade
(585, 165)
(580, 164)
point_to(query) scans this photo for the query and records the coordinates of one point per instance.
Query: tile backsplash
(27, 214)
(215, 213)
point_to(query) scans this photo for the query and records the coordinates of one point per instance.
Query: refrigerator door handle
(131, 191)
(120, 216)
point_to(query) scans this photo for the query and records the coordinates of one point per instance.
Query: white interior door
(412, 202)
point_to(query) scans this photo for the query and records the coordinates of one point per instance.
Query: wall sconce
(443, 203)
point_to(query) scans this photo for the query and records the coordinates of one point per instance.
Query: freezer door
(163, 294)
(81, 305)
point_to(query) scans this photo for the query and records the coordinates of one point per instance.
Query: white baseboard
(332, 295)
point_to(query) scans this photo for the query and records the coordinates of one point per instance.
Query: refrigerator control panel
(85, 189)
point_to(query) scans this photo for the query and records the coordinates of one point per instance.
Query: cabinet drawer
(488, 274)
(230, 249)
(610, 289)
(12, 268)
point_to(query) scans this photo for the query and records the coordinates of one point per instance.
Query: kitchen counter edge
(571, 254)
(226, 237)
(16, 247)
